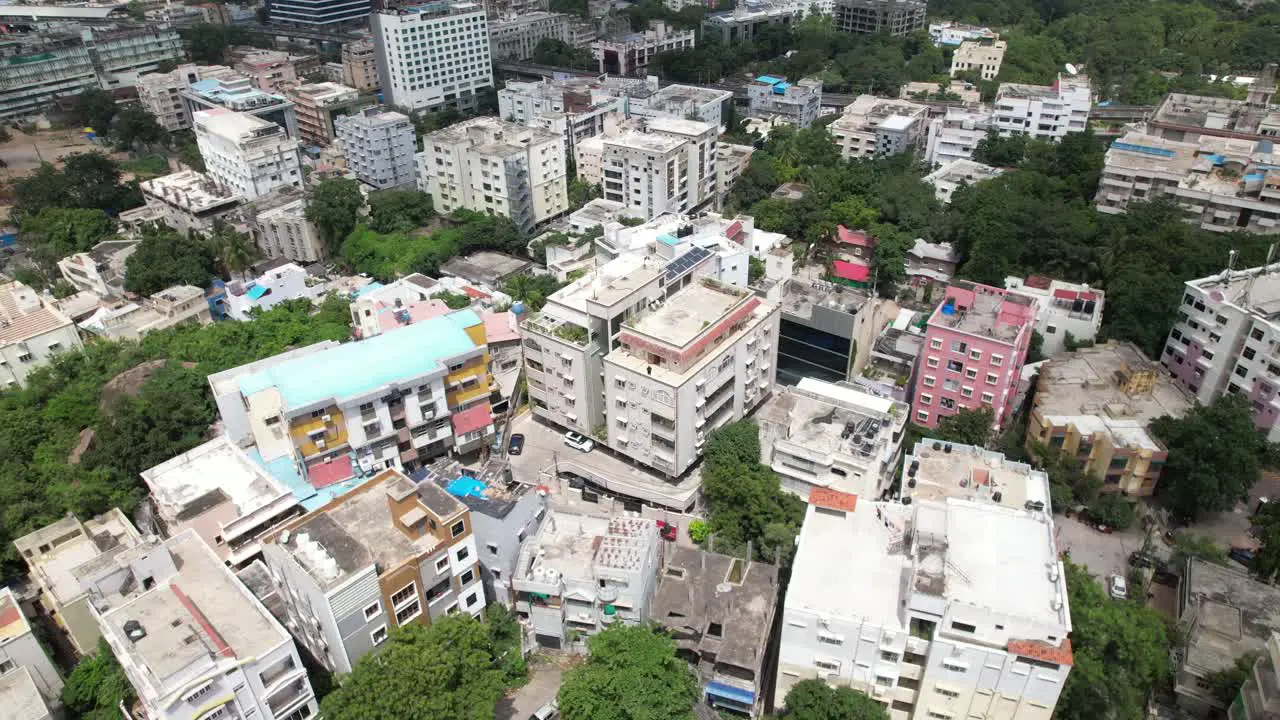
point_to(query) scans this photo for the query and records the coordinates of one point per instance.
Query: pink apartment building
(975, 345)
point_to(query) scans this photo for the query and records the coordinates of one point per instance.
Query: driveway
(545, 674)
(1103, 554)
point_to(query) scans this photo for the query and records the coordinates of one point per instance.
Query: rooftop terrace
(935, 470)
(985, 311)
(1256, 290)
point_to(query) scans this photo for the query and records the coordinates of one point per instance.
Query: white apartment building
(955, 135)
(514, 37)
(379, 146)
(656, 352)
(188, 200)
(1064, 307)
(678, 102)
(1224, 340)
(491, 166)
(574, 109)
(949, 608)
(773, 98)
(663, 166)
(1044, 111)
(981, 56)
(193, 641)
(246, 155)
(953, 33)
(956, 174)
(630, 54)
(278, 224)
(20, 651)
(161, 95)
(581, 574)
(432, 55)
(31, 332)
(822, 435)
(101, 270)
(874, 127)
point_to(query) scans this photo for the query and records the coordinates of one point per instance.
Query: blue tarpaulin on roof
(771, 80)
(730, 692)
(256, 292)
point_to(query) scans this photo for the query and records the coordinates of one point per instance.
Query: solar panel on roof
(685, 262)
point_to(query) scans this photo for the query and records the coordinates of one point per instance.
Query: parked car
(516, 445)
(550, 711)
(1119, 588)
(668, 530)
(1087, 517)
(578, 441)
(1244, 556)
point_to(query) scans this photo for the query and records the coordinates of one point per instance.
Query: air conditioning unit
(327, 419)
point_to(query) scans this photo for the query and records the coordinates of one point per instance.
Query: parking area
(1104, 554)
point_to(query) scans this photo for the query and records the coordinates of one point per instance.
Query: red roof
(1065, 294)
(852, 237)
(851, 271)
(472, 292)
(323, 474)
(733, 231)
(1040, 650)
(833, 499)
(1038, 282)
(1088, 295)
(472, 419)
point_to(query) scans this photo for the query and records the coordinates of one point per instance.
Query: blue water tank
(517, 307)
(949, 307)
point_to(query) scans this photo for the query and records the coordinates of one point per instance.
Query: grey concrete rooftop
(487, 267)
(686, 314)
(945, 470)
(20, 697)
(1256, 290)
(807, 290)
(217, 471)
(1229, 613)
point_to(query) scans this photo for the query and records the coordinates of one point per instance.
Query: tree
(136, 126)
(582, 192)
(632, 672)
(755, 270)
(1113, 510)
(165, 258)
(1266, 560)
(97, 686)
(334, 207)
(813, 699)
(967, 427)
(442, 671)
(94, 108)
(54, 233)
(455, 301)
(559, 53)
(1006, 152)
(137, 10)
(89, 181)
(1188, 545)
(393, 211)
(1225, 684)
(746, 504)
(234, 249)
(1215, 456)
(63, 289)
(532, 290)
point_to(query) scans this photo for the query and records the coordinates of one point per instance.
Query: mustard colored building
(344, 412)
(1096, 404)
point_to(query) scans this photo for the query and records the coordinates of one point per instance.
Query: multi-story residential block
(278, 224)
(720, 610)
(20, 650)
(930, 267)
(126, 320)
(867, 17)
(317, 105)
(651, 357)
(412, 299)
(796, 103)
(979, 56)
(1065, 308)
(161, 95)
(270, 71)
(669, 167)
(827, 330)
(61, 554)
(422, 391)
(629, 55)
(491, 166)
(389, 553)
(731, 162)
(192, 640)
(1044, 111)
(360, 65)
(31, 332)
(379, 146)
(935, 470)
(975, 344)
(676, 102)
(1223, 341)
(874, 127)
(222, 87)
(956, 174)
(219, 492)
(101, 270)
(1096, 404)
(955, 135)
(741, 24)
(320, 14)
(188, 200)
(579, 574)
(434, 55)
(953, 33)
(1258, 698)
(514, 37)
(245, 154)
(822, 435)
(920, 614)
(574, 108)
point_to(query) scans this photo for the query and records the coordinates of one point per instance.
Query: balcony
(289, 698)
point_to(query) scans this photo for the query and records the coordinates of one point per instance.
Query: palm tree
(236, 251)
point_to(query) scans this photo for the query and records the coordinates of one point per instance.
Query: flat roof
(685, 315)
(486, 267)
(217, 471)
(12, 622)
(231, 124)
(645, 141)
(1255, 290)
(946, 470)
(574, 545)
(72, 551)
(62, 12)
(1235, 615)
(20, 697)
(610, 283)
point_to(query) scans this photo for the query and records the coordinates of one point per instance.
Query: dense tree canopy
(744, 498)
(165, 258)
(1266, 561)
(88, 181)
(97, 686)
(968, 427)
(334, 208)
(632, 673)
(387, 256)
(54, 233)
(550, 51)
(813, 699)
(392, 211)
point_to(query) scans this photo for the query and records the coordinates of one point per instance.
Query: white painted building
(630, 54)
(433, 55)
(658, 166)
(244, 154)
(953, 33)
(1064, 307)
(955, 135)
(379, 147)
(574, 108)
(981, 56)
(956, 174)
(21, 651)
(31, 332)
(279, 284)
(514, 37)
(278, 224)
(100, 270)
(773, 98)
(1044, 111)
(188, 200)
(873, 127)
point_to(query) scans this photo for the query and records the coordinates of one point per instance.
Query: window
(988, 398)
(379, 635)
(992, 378)
(947, 693)
(888, 656)
(404, 594)
(926, 399)
(1051, 330)
(971, 373)
(947, 403)
(715, 630)
(442, 564)
(832, 665)
(975, 354)
(1242, 371)
(954, 665)
(935, 344)
(938, 715)
(931, 362)
(884, 681)
(1256, 334)
(492, 547)
(997, 360)
(966, 391)
(467, 577)
(922, 416)
(457, 528)
(199, 693)
(1249, 353)
(955, 365)
(958, 346)
(408, 612)
(463, 554)
(372, 610)
(829, 639)
(929, 381)
(6, 666)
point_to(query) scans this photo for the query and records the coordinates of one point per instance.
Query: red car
(668, 530)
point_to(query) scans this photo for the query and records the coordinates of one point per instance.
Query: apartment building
(982, 56)
(676, 102)
(192, 640)
(360, 65)
(930, 267)
(875, 127)
(513, 37)
(1064, 308)
(379, 147)
(1097, 404)
(433, 56)
(389, 553)
(1044, 111)
(278, 283)
(100, 270)
(975, 344)
(580, 574)
(245, 154)
(491, 166)
(22, 653)
(657, 353)
(218, 491)
(741, 24)
(222, 87)
(421, 392)
(31, 332)
(629, 55)
(61, 554)
(1258, 699)
(278, 224)
(954, 33)
(773, 98)
(161, 95)
(317, 104)
(189, 201)
(826, 330)
(955, 174)
(130, 320)
(320, 15)
(575, 108)
(921, 614)
(731, 161)
(1224, 340)
(660, 166)
(868, 17)
(822, 435)
(955, 135)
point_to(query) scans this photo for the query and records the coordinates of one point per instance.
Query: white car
(550, 711)
(578, 441)
(1119, 588)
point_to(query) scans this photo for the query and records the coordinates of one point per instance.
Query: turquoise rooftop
(357, 368)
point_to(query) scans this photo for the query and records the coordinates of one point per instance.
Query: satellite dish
(1071, 69)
